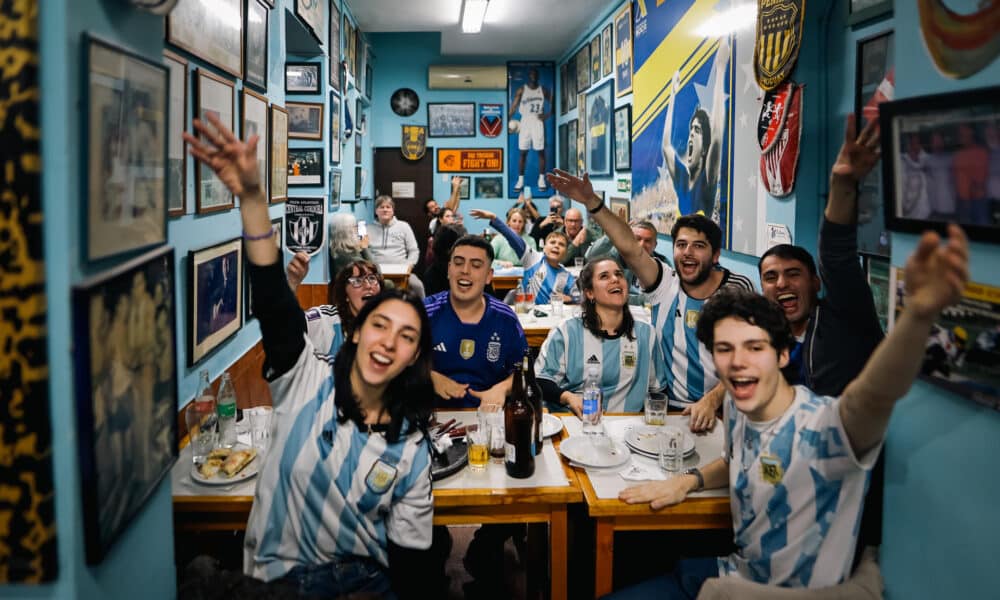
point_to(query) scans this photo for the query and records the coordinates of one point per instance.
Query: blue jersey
(692, 198)
(629, 368)
(480, 354)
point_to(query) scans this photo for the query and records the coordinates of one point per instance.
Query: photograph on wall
(598, 138)
(874, 84)
(489, 187)
(255, 123)
(607, 57)
(531, 128)
(302, 78)
(211, 30)
(358, 184)
(463, 188)
(305, 167)
(623, 50)
(620, 207)
(305, 120)
(333, 46)
(962, 353)
(276, 230)
(255, 72)
(349, 33)
(216, 97)
(451, 119)
(177, 121)
(563, 146)
(623, 138)
(877, 272)
(569, 87)
(681, 148)
(572, 153)
(126, 151)
(563, 88)
(216, 302)
(582, 60)
(305, 224)
(941, 162)
(595, 59)
(334, 129)
(313, 14)
(279, 153)
(336, 175)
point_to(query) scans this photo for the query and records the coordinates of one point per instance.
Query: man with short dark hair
(434, 211)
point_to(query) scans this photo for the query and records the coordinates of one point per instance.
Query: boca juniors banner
(531, 128)
(305, 224)
(681, 116)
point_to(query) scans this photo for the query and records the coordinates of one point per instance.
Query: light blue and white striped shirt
(325, 331)
(540, 277)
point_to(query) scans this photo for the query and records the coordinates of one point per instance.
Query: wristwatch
(697, 473)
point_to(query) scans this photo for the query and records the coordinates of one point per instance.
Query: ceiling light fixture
(473, 13)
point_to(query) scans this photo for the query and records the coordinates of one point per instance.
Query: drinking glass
(491, 421)
(519, 301)
(670, 442)
(260, 428)
(557, 304)
(578, 262)
(479, 454)
(529, 302)
(656, 408)
(201, 421)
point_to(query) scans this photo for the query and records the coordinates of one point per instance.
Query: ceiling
(513, 28)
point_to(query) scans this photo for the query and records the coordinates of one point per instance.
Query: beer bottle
(519, 430)
(533, 391)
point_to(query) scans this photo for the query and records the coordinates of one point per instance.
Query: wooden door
(391, 167)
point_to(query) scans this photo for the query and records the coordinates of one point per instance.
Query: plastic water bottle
(226, 407)
(593, 401)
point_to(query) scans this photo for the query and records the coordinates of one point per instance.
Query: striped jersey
(327, 489)
(542, 278)
(629, 368)
(675, 318)
(324, 330)
(797, 491)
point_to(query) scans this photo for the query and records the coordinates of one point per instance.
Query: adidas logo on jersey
(593, 360)
(440, 348)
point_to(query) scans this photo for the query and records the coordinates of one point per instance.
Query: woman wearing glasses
(328, 325)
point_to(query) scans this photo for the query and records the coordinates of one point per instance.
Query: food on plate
(210, 467)
(237, 460)
(220, 453)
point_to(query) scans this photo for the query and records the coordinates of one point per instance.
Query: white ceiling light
(728, 21)
(473, 13)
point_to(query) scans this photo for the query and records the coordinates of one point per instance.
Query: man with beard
(645, 234)
(580, 238)
(434, 211)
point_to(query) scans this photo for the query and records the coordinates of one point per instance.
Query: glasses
(357, 282)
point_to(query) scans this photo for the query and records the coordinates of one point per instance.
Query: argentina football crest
(380, 477)
(493, 348)
(305, 224)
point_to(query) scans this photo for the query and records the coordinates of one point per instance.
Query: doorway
(418, 175)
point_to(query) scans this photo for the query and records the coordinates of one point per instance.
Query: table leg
(605, 556)
(558, 553)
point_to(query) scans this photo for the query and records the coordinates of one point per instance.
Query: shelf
(299, 39)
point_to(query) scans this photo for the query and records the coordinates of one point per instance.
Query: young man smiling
(797, 463)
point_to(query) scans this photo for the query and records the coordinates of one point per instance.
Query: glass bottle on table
(533, 392)
(519, 429)
(226, 407)
(201, 420)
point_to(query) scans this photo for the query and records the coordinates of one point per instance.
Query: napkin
(639, 472)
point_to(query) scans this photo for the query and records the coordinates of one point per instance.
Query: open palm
(233, 161)
(936, 273)
(859, 153)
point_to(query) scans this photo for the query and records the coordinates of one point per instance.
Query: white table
(536, 329)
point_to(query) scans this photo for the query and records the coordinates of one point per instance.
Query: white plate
(249, 471)
(586, 451)
(652, 455)
(643, 439)
(551, 425)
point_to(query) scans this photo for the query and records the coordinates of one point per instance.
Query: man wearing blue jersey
(797, 464)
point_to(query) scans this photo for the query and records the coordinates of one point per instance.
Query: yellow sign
(454, 160)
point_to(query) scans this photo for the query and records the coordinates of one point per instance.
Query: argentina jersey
(326, 489)
(542, 278)
(797, 491)
(629, 368)
(323, 327)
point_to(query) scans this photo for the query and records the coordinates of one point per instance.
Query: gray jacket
(393, 243)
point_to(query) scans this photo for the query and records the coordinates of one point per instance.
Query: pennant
(490, 119)
(960, 44)
(779, 36)
(414, 142)
(305, 224)
(780, 159)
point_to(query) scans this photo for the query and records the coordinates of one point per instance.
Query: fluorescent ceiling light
(723, 23)
(473, 12)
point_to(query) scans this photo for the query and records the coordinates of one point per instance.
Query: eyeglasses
(357, 282)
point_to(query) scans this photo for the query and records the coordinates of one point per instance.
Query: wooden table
(504, 283)
(397, 273)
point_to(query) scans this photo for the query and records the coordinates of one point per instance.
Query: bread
(220, 453)
(210, 467)
(237, 460)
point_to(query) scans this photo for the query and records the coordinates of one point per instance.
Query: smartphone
(362, 229)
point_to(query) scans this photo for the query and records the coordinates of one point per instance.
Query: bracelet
(594, 211)
(254, 238)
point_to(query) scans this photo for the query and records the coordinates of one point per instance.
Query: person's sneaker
(542, 186)
(520, 183)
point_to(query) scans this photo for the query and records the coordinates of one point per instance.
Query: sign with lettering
(470, 160)
(305, 224)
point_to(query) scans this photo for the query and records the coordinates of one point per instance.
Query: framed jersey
(598, 131)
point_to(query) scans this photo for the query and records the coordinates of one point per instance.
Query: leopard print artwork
(27, 513)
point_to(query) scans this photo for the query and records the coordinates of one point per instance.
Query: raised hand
(477, 213)
(577, 188)
(456, 183)
(859, 153)
(297, 270)
(233, 161)
(936, 273)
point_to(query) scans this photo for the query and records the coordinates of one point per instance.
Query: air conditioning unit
(467, 77)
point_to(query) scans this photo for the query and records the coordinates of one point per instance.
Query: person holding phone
(551, 222)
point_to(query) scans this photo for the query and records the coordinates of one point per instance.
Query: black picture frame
(563, 159)
(305, 120)
(334, 128)
(357, 183)
(302, 78)
(310, 169)
(333, 46)
(451, 119)
(595, 59)
(311, 13)
(873, 61)
(622, 151)
(570, 85)
(126, 444)
(255, 51)
(944, 123)
(463, 190)
(607, 51)
(177, 122)
(489, 187)
(215, 297)
(336, 177)
(213, 94)
(859, 11)
(277, 231)
(572, 150)
(582, 60)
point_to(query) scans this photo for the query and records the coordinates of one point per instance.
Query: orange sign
(486, 160)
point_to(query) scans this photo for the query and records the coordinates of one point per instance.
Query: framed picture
(126, 151)
(369, 81)
(563, 146)
(254, 122)
(451, 119)
(124, 349)
(215, 284)
(489, 187)
(302, 78)
(335, 178)
(358, 184)
(531, 140)
(582, 61)
(463, 189)
(312, 13)
(623, 138)
(623, 50)
(563, 88)
(598, 136)
(359, 49)
(571, 149)
(333, 46)
(570, 85)
(215, 96)
(595, 59)
(581, 136)
(305, 167)
(620, 207)
(877, 272)
(859, 11)
(255, 63)
(874, 65)
(936, 162)
(276, 232)
(357, 149)
(212, 30)
(334, 129)
(349, 41)
(279, 153)
(607, 58)
(177, 122)
(305, 120)
(470, 160)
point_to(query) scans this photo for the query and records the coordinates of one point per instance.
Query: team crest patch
(467, 348)
(779, 35)
(628, 359)
(414, 142)
(493, 348)
(380, 477)
(490, 119)
(691, 318)
(771, 470)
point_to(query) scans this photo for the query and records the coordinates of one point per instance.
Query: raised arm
(456, 192)
(718, 117)
(515, 241)
(858, 155)
(936, 274)
(666, 146)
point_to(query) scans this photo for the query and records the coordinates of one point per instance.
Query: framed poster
(279, 153)
(598, 136)
(571, 147)
(623, 138)
(350, 35)
(276, 233)
(305, 167)
(582, 61)
(302, 78)
(563, 89)
(357, 148)
(874, 68)
(531, 137)
(305, 224)
(451, 119)
(216, 96)
(859, 11)
(305, 120)
(570, 85)
(333, 46)
(489, 187)
(177, 121)
(126, 151)
(620, 207)
(358, 183)
(254, 122)
(212, 30)
(125, 375)
(335, 178)
(334, 129)
(215, 284)
(470, 160)
(312, 13)
(563, 146)
(255, 63)
(595, 59)
(623, 50)
(607, 59)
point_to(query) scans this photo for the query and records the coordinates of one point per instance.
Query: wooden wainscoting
(311, 294)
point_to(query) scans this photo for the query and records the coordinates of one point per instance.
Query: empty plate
(595, 451)
(643, 440)
(551, 425)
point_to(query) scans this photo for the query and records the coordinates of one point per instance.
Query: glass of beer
(479, 454)
(656, 408)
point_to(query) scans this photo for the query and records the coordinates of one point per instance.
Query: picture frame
(302, 78)
(124, 329)
(215, 297)
(877, 272)
(333, 46)
(595, 59)
(621, 207)
(451, 119)
(349, 35)
(358, 184)
(582, 60)
(336, 177)
(358, 149)
(305, 167)
(334, 129)
(563, 159)
(607, 52)
(859, 11)
(212, 30)
(570, 85)
(277, 230)
(215, 95)
(279, 154)
(463, 189)
(489, 187)
(623, 50)
(572, 152)
(255, 122)
(369, 79)
(305, 120)
(531, 94)
(125, 150)
(873, 64)
(944, 132)
(177, 120)
(255, 53)
(598, 139)
(311, 12)
(623, 138)
(359, 49)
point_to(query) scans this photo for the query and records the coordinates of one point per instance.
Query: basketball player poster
(531, 129)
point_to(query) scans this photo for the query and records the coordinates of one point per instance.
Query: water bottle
(593, 401)
(201, 419)
(226, 407)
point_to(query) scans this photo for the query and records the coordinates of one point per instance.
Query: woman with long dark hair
(327, 325)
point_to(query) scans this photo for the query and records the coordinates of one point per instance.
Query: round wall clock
(404, 102)
(160, 7)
